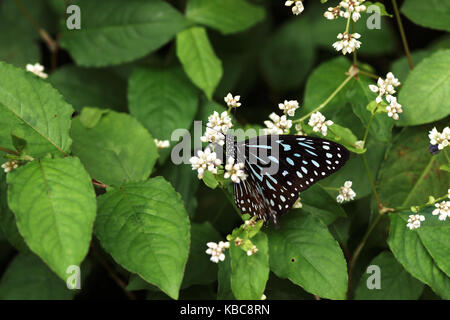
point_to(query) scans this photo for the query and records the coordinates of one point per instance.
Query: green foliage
(425, 91)
(55, 229)
(148, 233)
(83, 181)
(198, 59)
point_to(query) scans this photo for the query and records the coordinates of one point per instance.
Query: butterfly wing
(282, 166)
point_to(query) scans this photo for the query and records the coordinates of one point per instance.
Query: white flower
(297, 204)
(318, 122)
(217, 128)
(263, 297)
(359, 144)
(414, 221)
(394, 108)
(216, 250)
(253, 250)
(297, 8)
(439, 139)
(289, 107)
(206, 160)
(234, 171)
(347, 42)
(442, 209)
(298, 129)
(37, 69)
(332, 13)
(346, 193)
(385, 86)
(353, 8)
(448, 192)
(232, 101)
(10, 166)
(279, 125)
(161, 144)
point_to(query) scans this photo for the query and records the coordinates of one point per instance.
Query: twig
(402, 34)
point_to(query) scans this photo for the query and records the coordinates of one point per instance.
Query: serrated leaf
(396, 283)
(32, 110)
(433, 14)
(199, 61)
(28, 278)
(318, 202)
(425, 93)
(124, 30)
(226, 16)
(409, 250)
(54, 204)
(249, 274)
(145, 228)
(303, 251)
(117, 149)
(162, 100)
(83, 87)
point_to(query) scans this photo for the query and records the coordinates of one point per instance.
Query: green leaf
(409, 250)
(424, 95)
(28, 278)
(54, 203)
(145, 228)
(410, 173)
(124, 31)
(445, 167)
(90, 87)
(380, 6)
(433, 14)
(199, 60)
(281, 289)
(224, 291)
(249, 274)
(396, 283)
(280, 58)
(318, 202)
(226, 16)
(199, 269)
(345, 137)
(162, 100)
(8, 220)
(31, 109)
(400, 67)
(210, 180)
(117, 149)
(303, 251)
(18, 143)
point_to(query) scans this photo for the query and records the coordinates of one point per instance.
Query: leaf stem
(369, 74)
(9, 151)
(368, 126)
(402, 34)
(333, 94)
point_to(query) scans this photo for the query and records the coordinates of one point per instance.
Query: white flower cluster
(346, 193)
(439, 138)
(297, 8)
(386, 87)
(347, 42)
(205, 161)
(231, 101)
(346, 9)
(299, 130)
(414, 221)
(319, 124)
(10, 166)
(252, 251)
(37, 69)
(442, 209)
(216, 250)
(235, 171)
(279, 125)
(289, 107)
(162, 144)
(217, 128)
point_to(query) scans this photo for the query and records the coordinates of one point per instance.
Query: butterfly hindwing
(279, 167)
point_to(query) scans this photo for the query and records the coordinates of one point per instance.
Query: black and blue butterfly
(300, 162)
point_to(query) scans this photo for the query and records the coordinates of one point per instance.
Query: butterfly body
(278, 168)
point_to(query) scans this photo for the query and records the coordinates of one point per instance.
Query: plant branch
(402, 34)
(368, 127)
(9, 151)
(371, 75)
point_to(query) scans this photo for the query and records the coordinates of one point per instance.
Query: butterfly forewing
(279, 167)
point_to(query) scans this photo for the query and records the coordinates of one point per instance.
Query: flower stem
(369, 74)
(367, 129)
(402, 34)
(372, 185)
(335, 92)
(9, 151)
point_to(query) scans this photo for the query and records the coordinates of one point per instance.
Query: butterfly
(278, 168)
